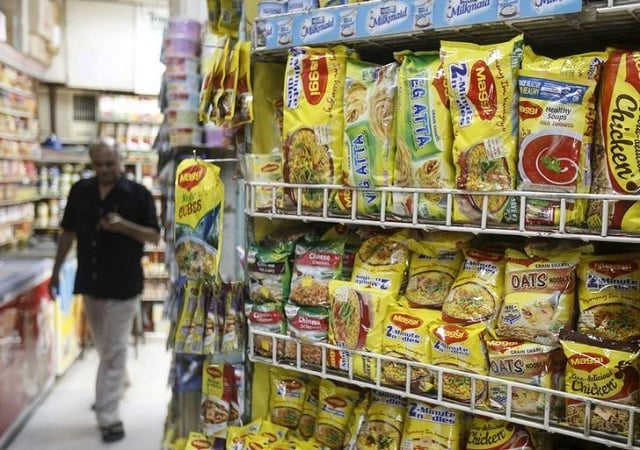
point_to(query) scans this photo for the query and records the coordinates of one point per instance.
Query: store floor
(64, 421)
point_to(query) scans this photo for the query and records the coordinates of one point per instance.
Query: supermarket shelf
(62, 157)
(20, 61)
(18, 201)
(13, 180)
(16, 112)
(49, 229)
(15, 137)
(131, 122)
(12, 223)
(482, 225)
(52, 196)
(598, 25)
(547, 421)
(20, 157)
(156, 276)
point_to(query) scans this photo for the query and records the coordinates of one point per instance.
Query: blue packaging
(271, 8)
(297, 6)
(380, 18)
(455, 13)
(539, 8)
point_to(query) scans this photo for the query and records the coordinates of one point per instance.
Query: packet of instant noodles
(217, 382)
(243, 112)
(197, 441)
(189, 305)
(199, 209)
(227, 101)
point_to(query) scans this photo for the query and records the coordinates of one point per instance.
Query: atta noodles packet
(424, 135)
(199, 209)
(482, 82)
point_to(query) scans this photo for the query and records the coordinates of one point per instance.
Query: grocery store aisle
(64, 421)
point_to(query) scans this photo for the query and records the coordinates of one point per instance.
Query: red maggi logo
(191, 176)
(405, 321)
(482, 91)
(214, 371)
(336, 402)
(314, 78)
(451, 334)
(614, 269)
(529, 110)
(587, 361)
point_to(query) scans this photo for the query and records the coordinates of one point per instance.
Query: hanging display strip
(285, 201)
(377, 19)
(548, 420)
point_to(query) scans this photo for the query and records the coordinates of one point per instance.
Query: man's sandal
(112, 433)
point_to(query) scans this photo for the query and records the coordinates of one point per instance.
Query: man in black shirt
(111, 218)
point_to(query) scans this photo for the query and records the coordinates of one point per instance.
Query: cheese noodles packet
(313, 128)
(428, 426)
(369, 104)
(482, 88)
(423, 134)
(199, 209)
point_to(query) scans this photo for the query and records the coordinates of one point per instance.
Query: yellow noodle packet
(229, 20)
(429, 426)
(482, 82)
(380, 263)
(215, 402)
(313, 128)
(268, 108)
(217, 82)
(199, 209)
(307, 424)
(286, 400)
(189, 304)
(197, 441)
(336, 407)
(383, 422)
(243, 112)
(227, 101)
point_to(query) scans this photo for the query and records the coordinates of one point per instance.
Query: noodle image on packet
(424, 134)
(539, 295)
(609, 296)
(356, 319)
(494, 434)
(287, 397)
(313, 128)
(616, 162)
(406, 336)
(269, 272)
(529, 363)
(557, 117)
(476, 294)
(432, 427)
(307, 423)
(369, 103)
(316, 264)
(461, 348)
(380, 263)
(482, 88)
(606, 371)
(383, 422)
(199, 209)
(334, 412)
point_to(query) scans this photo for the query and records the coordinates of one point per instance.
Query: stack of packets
(211, 319)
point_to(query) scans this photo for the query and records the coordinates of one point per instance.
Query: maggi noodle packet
(525, 362)
(482, 88)
(307, 423)
(406, 336)
(217, 383)
(584, 65)
(429, 426)
(434, 264)
(227, 101)
(539, 296)
(557, 115)
(603, 370)
(316, 265)
(609, 296)
(616, 162)
(461, 348)
(288, 392)
(267, 108)
(199, 210)
(424, 135)
(356, 422)
(356, 318)
(336, 406)
(265, 168)
(383, 422)
(313, 128)
(237, 436)
(494, 434)
(194, 341)
(243, 112)
(369, 103)
(476, 294)
(380, 263)
(269, 272)
(189, 305)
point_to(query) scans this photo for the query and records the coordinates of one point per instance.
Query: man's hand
(54, 284)
(114, 223)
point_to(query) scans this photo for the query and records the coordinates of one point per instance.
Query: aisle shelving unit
(594, 26)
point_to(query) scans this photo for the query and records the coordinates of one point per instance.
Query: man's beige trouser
(110, 322)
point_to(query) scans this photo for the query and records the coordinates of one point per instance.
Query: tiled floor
(64, 421)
